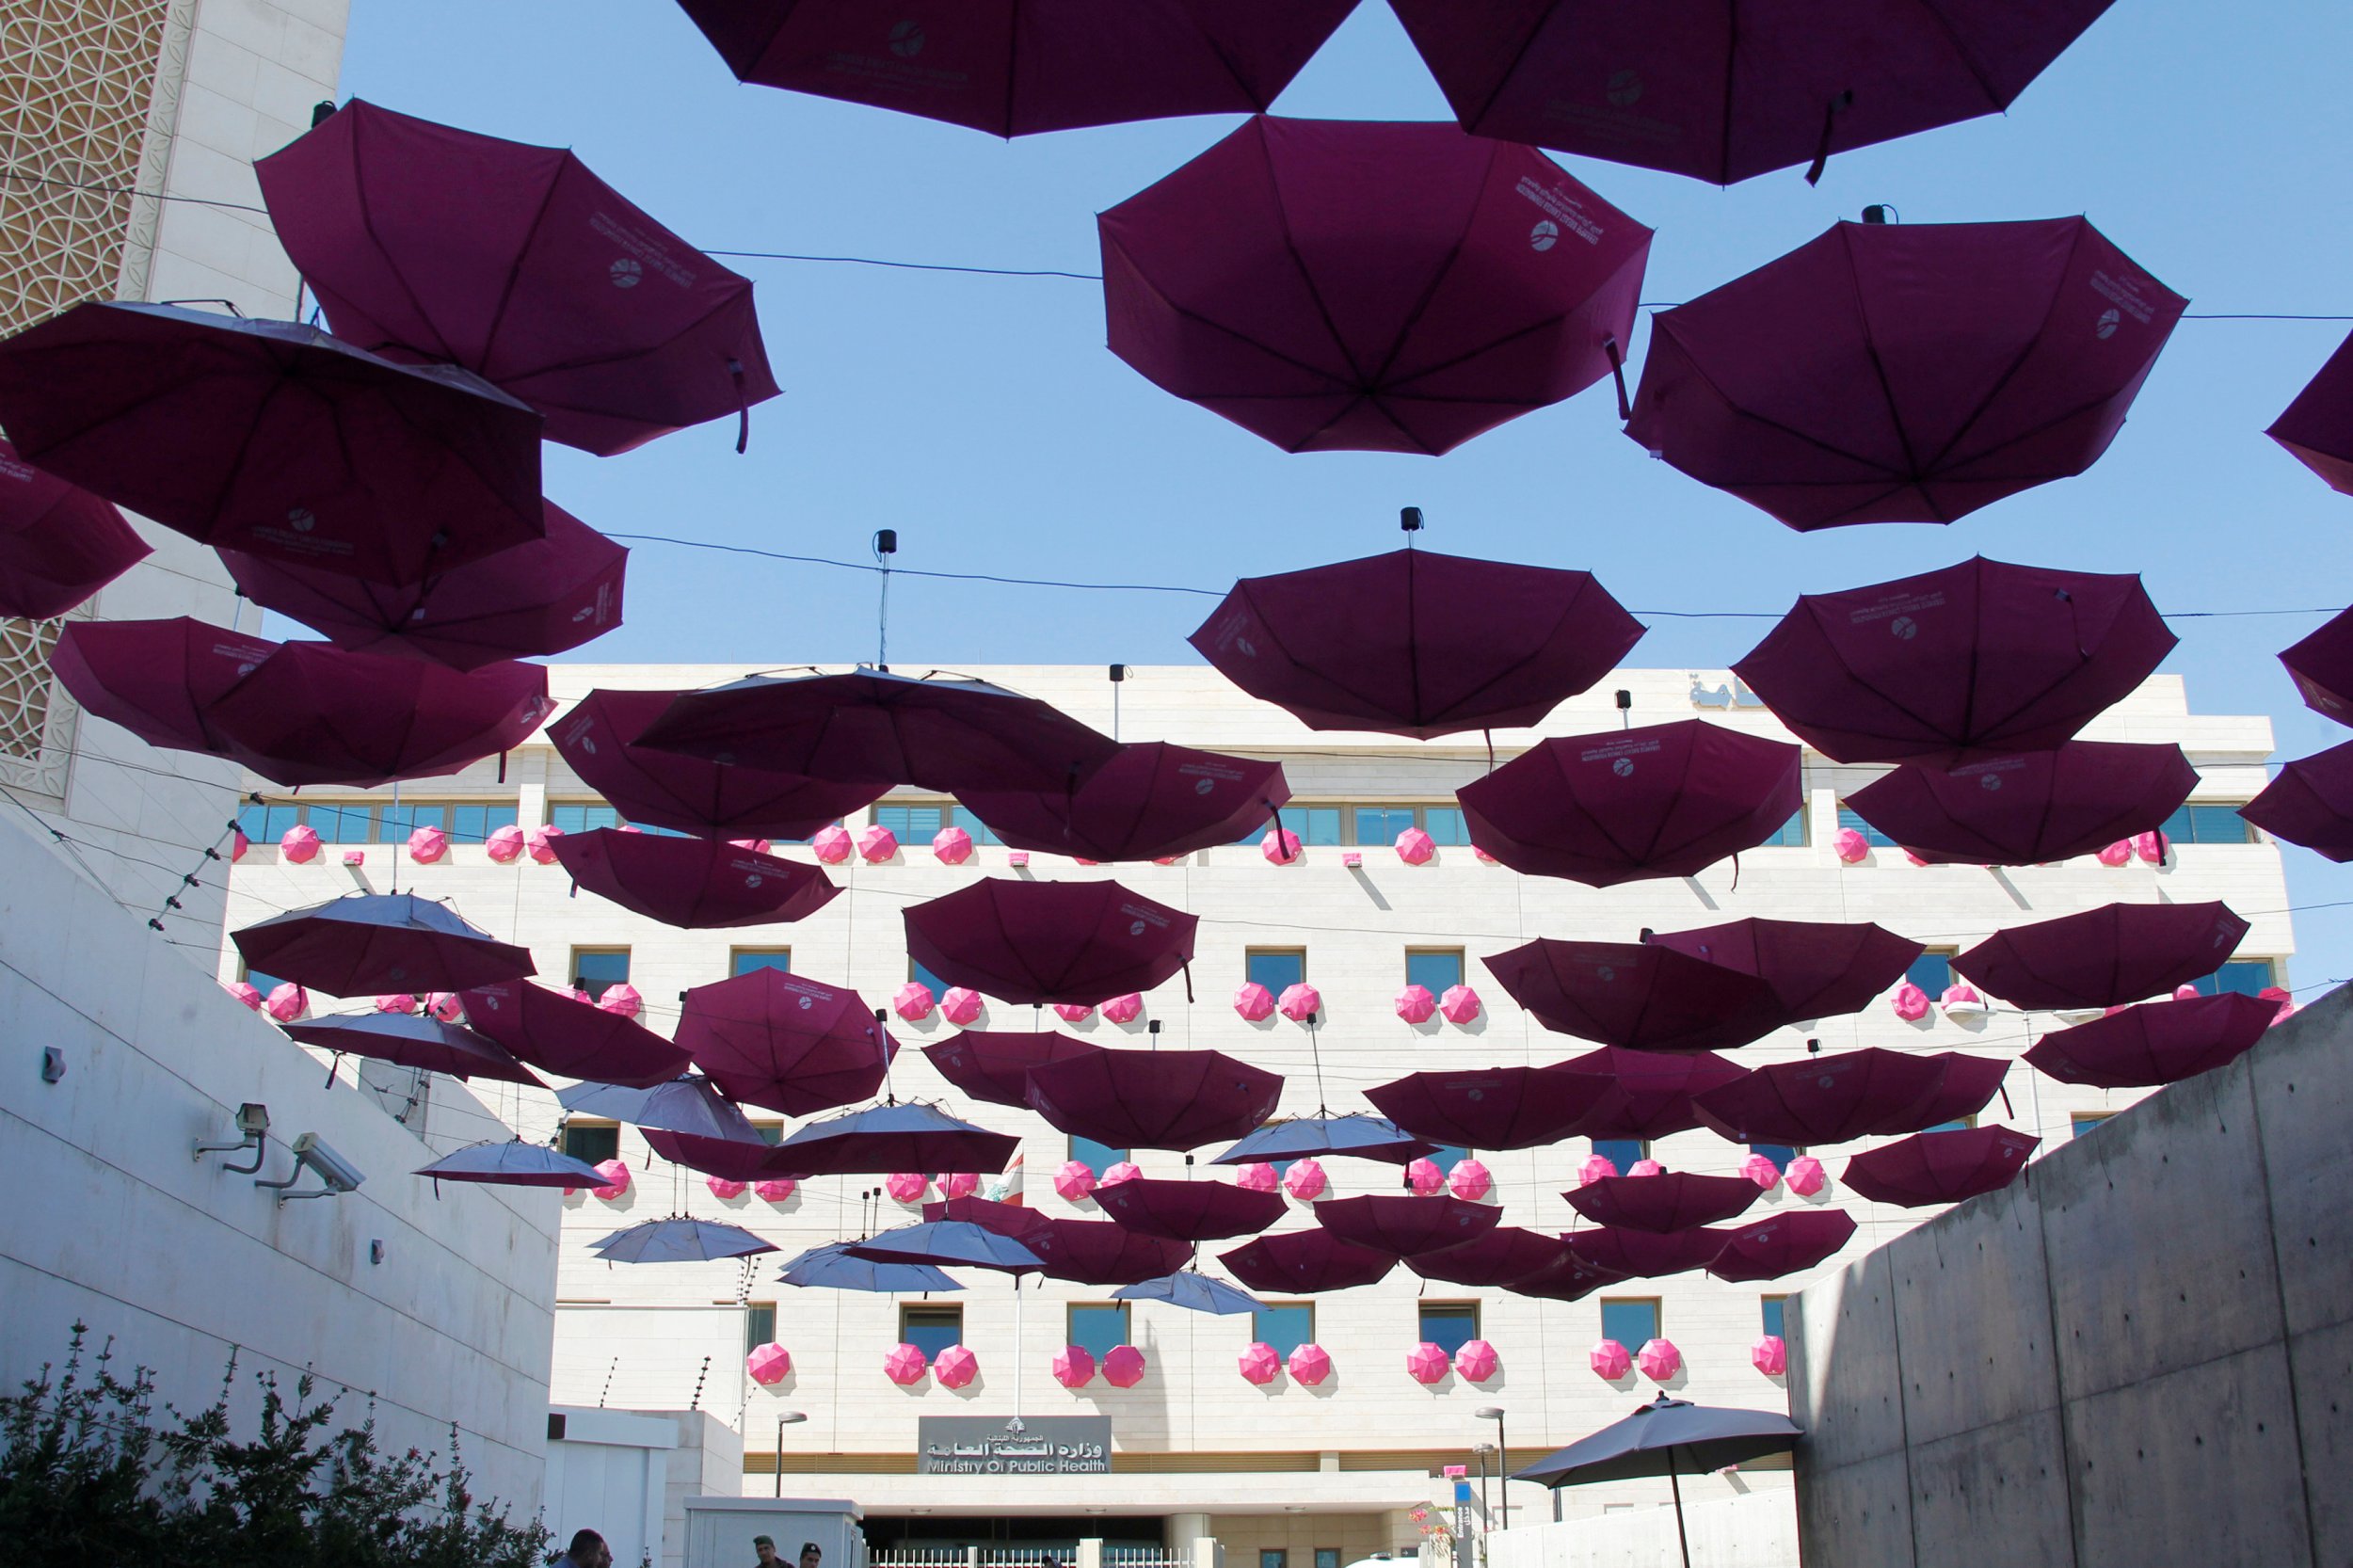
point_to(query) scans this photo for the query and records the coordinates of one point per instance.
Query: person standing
(766, 1547)
(587, 1550)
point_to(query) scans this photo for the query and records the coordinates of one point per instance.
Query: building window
(1770, 1308)
(1274, 1557)
(2208, 825)
(582, 816)
(2247, 976)
(1327, 1556)
(1433, 967)
(745, 960)
(1449, 1156)
(1624, 1153)
(343, 825)
(265, 984)
(1445, 826)
(1849, 817)
(1098, 1328)
(1933, 971)
(1959, 1124)
(770, 1133)
(1791, 834)
(267, 823)
(1096, 1156)
(922, 976)
(2082, 1122)
(759, 1324)
(917, 824)
(1284, 1326)
(595, 968)
(1449, 1325)
(931, 1329)
(595, 1141)
(1780, 1154)
(1275, 968)
(361, 823)
(1381, 824)
(1631, 1320)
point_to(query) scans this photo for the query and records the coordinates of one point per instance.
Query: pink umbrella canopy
(2310, 803)
(1657, 800)
(545, 596)
(1724, 96)
(1572, 1278)
(58, 543)
(994, 1065)
(1016, 69)
(1490, 1108)
(2322, 664)
(873, 727)
(1154, 1099)
(1306, 1262)
(276, 438)
(1957, 666)
(1646, 1255)
(1665, 1203)
(887, 1138)
(2024, 810)
(1853, 1094)
(793, 1044)
(1148, 803)
(1782, 1244)
(424, 1043)
(551, 1029)
(1501, 1257)
(695, 883)
(2155, 1042)
(1345, 285)
(1941, 1167)
(425, 242)
(1189, 1210)
(1815, 968)
(2317, 427)
(160, 679)
(1418, 644)
(1647, 1095)
(726, 1159)
(1006, 1219)
(367, 944)
(1406, 1226)
(1096, 1252)
(2116, 953)
(1037, 942)
(661, 788)
(1637, 996)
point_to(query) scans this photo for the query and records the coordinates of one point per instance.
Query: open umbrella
(1416, 644)
(58, 543)
(1016, 69)
(1665, 1203)
(1151, 1099)
(1957, 666)
(1671, 1437)
(892, 1137)
(686, 1104)
(2322, 664)
(371, 944)
(1018, 1221)
(1852, 1093)
(1940, 1167)
(1148, 802)
(2155, 1042)
(959, 1242)
(160, 679)
(427, 243)
(1658, 800)
(1633, 1253)
(833, 1267)
(1404, 1226)
(873, 727)
(1347, 285)
(695, 883)
(1782, 1244)
(2310, 803)
(1193, 1291)
(409, 1040)
(1572, 1278)
(1815, 968)
(1189, 1210)
(2029, 809)
(559, 1033)
(994, 1065)
(541, 597)
(1356, 1136)
(2317, 427)
(1306, 1262)
(795, 1044)
(679, 1239)
(1081, 943)
(1648, 1094)
(2102, 957)
(513, 1164)
(1637, 996)
(1498, 1257)
(1723, 95)
(1490, 1108)
(729, 1158)
(275, 438)
(1098, 1253)
(598, 737)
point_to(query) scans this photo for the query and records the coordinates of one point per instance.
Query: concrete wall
(2141, 1353)
(1757, 1530)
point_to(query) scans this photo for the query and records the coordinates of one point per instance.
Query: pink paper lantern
(245, 993)
(623, 1000)
(1259, 1363)
(956, 1366)
(427, 844)
(1414, 847)
(1460, 1004)
(2184, 993)
(1304, 1180)
(355, 857)
(1645, 1167)
(913, 1001)
(1910, 1002)
(1163, 859)
(1254, 1002)
(1299, 1002)
(775, 1192)
(952, 846)
(238, 844)
(1073, 1181)
(903, 1364)
(875, 844)
(399, 1001)
(1124, 1009)
(831, 844)
(757, 846)
(1769, 1354)
(1484, 858)
(1761, 1171)
(1805, 1176)
(1309, 1365)
(1427, 1363)
(769, 1363)
(1469, 1180)
(615, 1179)
(1850, 847)
(1597, 1167)
(2116, 854)
(299, 844)
(960, 1005)
(723, 1189)
(1352, 858)
(907, 1186)
(1122, 1367)
(2282, 998)
(1257, 1177)
(287, 1002)
(541, 844)
(505, 844)
(1072, 1012)
(1416, 1005)
(1477, 1361)
(632, 827)
(1424, 1178)
(2151, 846)
(1913, 858)
(1659, 1360)
(1073, 1367)
(1018, 857)
(1962, 1002)
(1280, 846)
(1124, 1170)
(1610, 1360)
(445, 1006)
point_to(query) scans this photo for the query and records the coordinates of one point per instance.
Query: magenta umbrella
(428, 243)
(1403, 1226)
(1006, 1219)
(695, 883)
(1096, 1252)
(1501, 1255)
(994, 1065)
(408, 1040)
(1646, 1255)
(729, 1158)
(543, 596)
(1187, 1211)
(793, 1044)
(2310, 803)
(1941, 1167)
(58, 543)
(1306, 1262)
(375, 944)
(2317, 427)
(1347, 285)
(1782, 1244)
(160, 679)
(1154, 1099)
(1648, 1094)
(563, 1034)
(887, 1138)
(662, 788)
(1852, 1093)
(2102, 957)
(1490, 1108)
(1080, 943)
(1572, 1278)
(1658, 800)
(872, 727)
(1637, 996)
(1665, 1203)
(267, 437)
(1015, 68)
(2155, 1042)
(2026, 810)
(2322, 664)
(1722, 94)
(1815, 968)
(1148, 803)
(1957, 666)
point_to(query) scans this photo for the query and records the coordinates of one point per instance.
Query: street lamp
(1487, 1516)
(1503, 1458)
(784, 1420)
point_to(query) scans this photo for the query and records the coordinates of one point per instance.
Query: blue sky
(983, 418)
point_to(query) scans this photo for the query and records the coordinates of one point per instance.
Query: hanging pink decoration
(1659, 1360)
(1124, 1170)
(244, 994)
(1298, 1002)
(1460, 1004)
(355, 857)
(2281, 998)
(399, 1001)
(913, 1001)
(287, 1002)
(1416, 1005)
(775, 1190)
(623, 1001)
(1163, 859)
(907, 1186)
(875, 844)
(2117, 852)
(1427, 1363)
(445, 1006)
(1304, 1180)
(903, 1364)
(1769, 1354)
(960, 1005)
(1122, 1367)
(1850, 847)
(632, 827)
(959, 1184)
(1477, 1361)
(1913, 858)
(1597, 1167)
(1124, 1009)
(769, 1364)
(427, 844)
(1469, 1180)
(1645, 1167)
(1259, 1363)
(1018, 857)
(831, 844)
(1073, 1367)
(952, 846)
(1806, 1176)
(722, 1188)
(2151, 846)
(615, 1179)
(1910, 1002)
(1254, 1002)
(1962, 1002)
(238, 844)
(2184, 993)
(1073, 1181)
(956, 1366)
(1761, 1171)
(1425, 1179)
(1073, 1011)
(541, 842)
(1309, 1365)
(1484, 857)
(505, 844)
(299, 844)
(1280, 846)
(1414, 847)
(1611, 1360)
(1257, 1177)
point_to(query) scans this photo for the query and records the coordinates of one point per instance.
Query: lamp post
(784, 1420)
(1503, 1459)
(1486, 1521)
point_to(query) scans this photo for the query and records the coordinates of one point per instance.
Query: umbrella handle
(743, 407)
(1616, 373)
(1813, 176)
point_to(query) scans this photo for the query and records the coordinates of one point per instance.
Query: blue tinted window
(1792, 834)
(978, 831)
(1436, 970)
(1449, 1156)
(1849, 817)
(2247, 976)
(1099, 1329)
(2207, 824)
(1449, 1325)
(265, 984)
(1773, 1315)
(1931, 971)
(745, 960)
(593, 971)
(1960, 1125)
(595, 1142)
(1381, 824)
(266, 825)
(912, 824)
(770, 1133)
(1780, 1154)
(1286, 1327)
(1624, 1153)
(1096, 1156)
(931, 1329)
(400, 819)
(343, 825)
(2084, 1121)
(1275, 968)
(1445, 826)
(473, 825)
(582, 816)
(922, 976)
(1315, 824)
(1631, 1324)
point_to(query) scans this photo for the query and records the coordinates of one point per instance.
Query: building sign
(1035, 1445)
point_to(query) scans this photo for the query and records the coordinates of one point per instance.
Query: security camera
(312, 1153)
(253, 1134)
(252, 1119)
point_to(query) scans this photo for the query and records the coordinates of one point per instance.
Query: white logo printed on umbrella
(1623, 767)
(1204, 786)
(808, 1003)
(625, 272)
(1625, 90)
(301, 519)
(906, 40)
(1135, 928)
(2109, 319)
(1545, 235)
(1605, 974)
(1903, 628)
(1244, 647)
(753, 880)
(246, 668)
(1990, 781)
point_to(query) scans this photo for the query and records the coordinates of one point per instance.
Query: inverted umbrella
(372, 944)
(695, 883)
(1096, 1251)
(1148, 802)
(1572, 1278)
(994, 1065)
(1815, 968)
(1957, 666)
(598, 737)
(1151, 1099)
(1189, 1210)
(1665, 1203)
(1193, 1291)
(795, 1044)
(1853, 1094)
(1647, 1254)
(1658, 800)
(2027, 810)
(1637, 996)
(2322, 664)
(2317, 427)
(937, 1241)
(2310, 803)
(1345, 285)
(1305, 1261)
(427, 243)
(513, 1164)
(833, 1267)
(1782, 1244)
(729, 1158)
(1500, 1255)
(556, 1031)
(679, 1239)
(1490, 1108)
(160, 679)
(408, 1040)
(2155, 1042)
(276, 438)
(59, 544)
(2102, 957)
(893, 1138)
(545, 595)
(1667, 1436)
(1357, 1136)
(1403, 1226)
(1080, 943)
(1018, 1221)
(686, 1104)
(1941, 1167)
(1648, 1094)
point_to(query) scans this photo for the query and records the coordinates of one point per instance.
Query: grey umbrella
(1192, 1290)
(689, 1105)
(513, 1164)
(677, 1240)
(1666, 1437)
